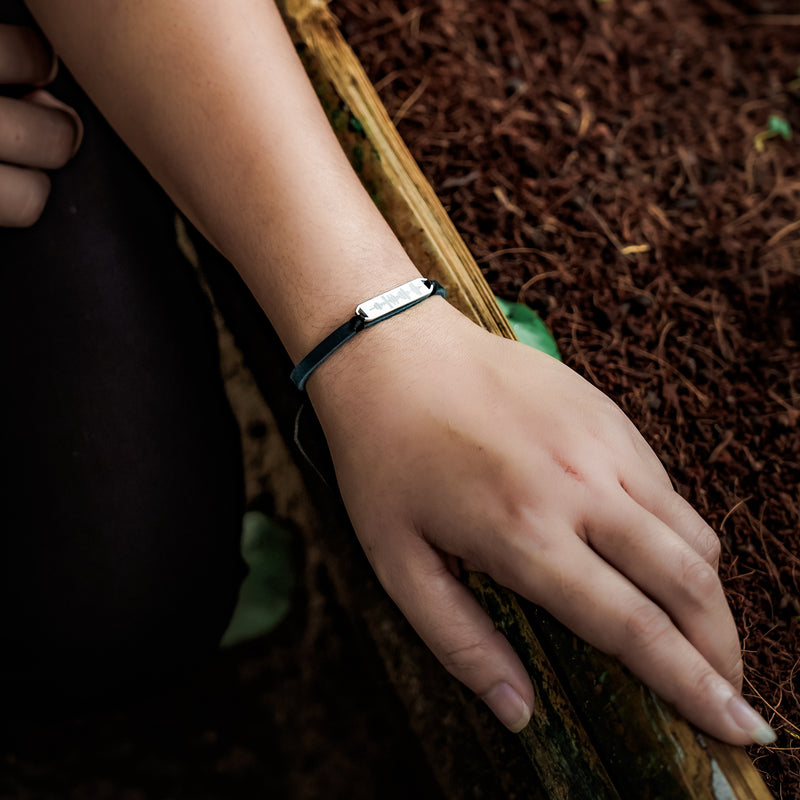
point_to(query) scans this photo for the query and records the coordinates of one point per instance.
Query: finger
(38, 132)
(25, 57)
(676, 513)
(589, 596)
(458, 631)
(45, 99)
(23, 194)
(670, 572)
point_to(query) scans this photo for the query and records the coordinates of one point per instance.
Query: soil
(599, 160)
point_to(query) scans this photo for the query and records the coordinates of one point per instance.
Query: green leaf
(528, 327)
(265, 593)
(779, 125)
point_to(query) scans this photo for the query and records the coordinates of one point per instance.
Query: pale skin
(494, 454)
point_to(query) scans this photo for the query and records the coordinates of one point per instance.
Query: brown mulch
(599, 160)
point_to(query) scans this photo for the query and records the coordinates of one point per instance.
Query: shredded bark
(600, 159)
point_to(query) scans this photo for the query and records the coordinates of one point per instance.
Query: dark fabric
(122, 498)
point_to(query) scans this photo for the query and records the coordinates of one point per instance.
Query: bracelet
(368, 313)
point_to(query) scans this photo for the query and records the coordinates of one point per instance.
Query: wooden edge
(589, 696)
(372, 142)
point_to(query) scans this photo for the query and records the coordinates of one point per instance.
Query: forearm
(213, 99)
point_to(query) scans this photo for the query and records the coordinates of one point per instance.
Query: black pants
(120, 509)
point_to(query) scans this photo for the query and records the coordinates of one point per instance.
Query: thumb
(25, 57)
(458, 631)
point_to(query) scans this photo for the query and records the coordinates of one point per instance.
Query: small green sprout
(795, 84)
(776, 126)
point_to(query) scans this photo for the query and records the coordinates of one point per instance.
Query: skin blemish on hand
(568, 468)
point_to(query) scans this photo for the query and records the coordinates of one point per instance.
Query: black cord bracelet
(368, 313)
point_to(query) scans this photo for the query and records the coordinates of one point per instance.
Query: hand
(452, 443)
(37, 132)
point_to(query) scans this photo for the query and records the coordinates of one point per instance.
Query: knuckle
(601, 415)
(645, 624)
(520, 550)
(708, 546)
(698, 581)
(464, 658)
(608, 407)
(702, 686)
(702, 538)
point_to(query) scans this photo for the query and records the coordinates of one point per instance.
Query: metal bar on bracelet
(368, 313)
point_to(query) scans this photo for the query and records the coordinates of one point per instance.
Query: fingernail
(508, 707)
(750, 721)
(53, 67)
(51, 76)
(44, 98)
(78, 125)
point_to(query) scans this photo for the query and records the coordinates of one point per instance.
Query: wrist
(305, 306)
(371, 312)
(382, 359)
